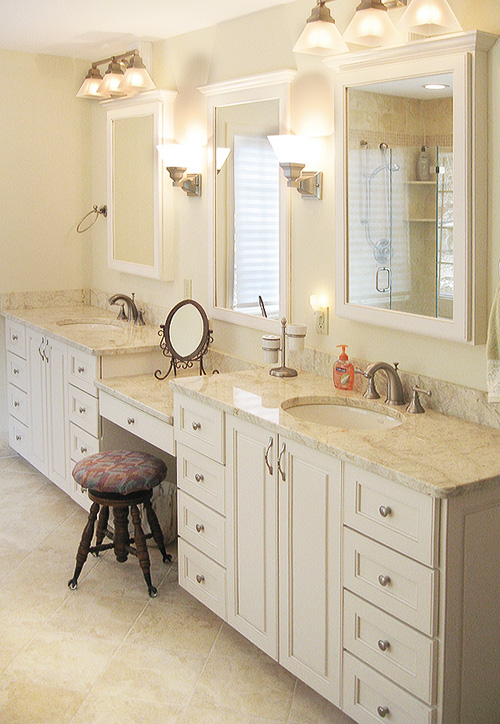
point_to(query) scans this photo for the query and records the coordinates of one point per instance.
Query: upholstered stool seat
(120, 479)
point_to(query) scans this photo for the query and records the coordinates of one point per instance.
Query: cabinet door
(309, 565)
(37, 425)
(252, 533)
(57, 414)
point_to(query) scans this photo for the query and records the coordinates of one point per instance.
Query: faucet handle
(121, 313)
(371, 391)
(415, 405)
(140, 318)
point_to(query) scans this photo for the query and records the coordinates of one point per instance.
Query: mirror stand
(185, 337)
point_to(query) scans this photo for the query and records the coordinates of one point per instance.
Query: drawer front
(398, 585)
(82, 443)
(18, 437)
(140, 423)
(395, 650)
(17, 371)
(199, 427)
(201, 526)
(399, 517)
(201, 477)
(17, 402)
(15, 337)
(83, 410)
(369, 698)
(83, 370)
(203, 578)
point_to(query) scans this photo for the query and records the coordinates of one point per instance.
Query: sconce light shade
(175, 157)
(429, 17)
(221, 156)
(291, 151)
(91, 84)
(371, 26)
(136, 78)
(112, 79)
(320, 36)
(172, 154)
(288, 148)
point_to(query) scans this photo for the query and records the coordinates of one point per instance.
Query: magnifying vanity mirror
(411, 233)
(185, 337)
(249, 200)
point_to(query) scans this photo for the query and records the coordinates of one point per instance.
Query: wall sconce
(121, 79)
(272, 344)
(319, 305)
(289, 150)
(174, 155)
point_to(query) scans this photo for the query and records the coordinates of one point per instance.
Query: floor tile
(25, 702)
(308, 707)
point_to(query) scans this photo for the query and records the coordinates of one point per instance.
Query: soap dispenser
(343, 371)
(423, 165)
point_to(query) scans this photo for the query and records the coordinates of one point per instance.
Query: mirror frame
(178, 361)
(159, 105)
(458, 55)
(262, 87)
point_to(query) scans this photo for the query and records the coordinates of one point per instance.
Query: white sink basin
(336, 413)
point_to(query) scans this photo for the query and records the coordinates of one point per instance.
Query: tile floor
(107, 653)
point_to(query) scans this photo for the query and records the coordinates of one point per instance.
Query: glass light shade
(173, 155)
(318, 302)
(91, 84)
(289, 148)
(112, 79)
(429, 17)
(136, 78)
(221, 155)
(371, 26)
(320, 38)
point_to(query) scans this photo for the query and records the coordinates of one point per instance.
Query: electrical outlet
(188, 288)
(322, 322)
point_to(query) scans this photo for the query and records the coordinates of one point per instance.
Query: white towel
(493, 350)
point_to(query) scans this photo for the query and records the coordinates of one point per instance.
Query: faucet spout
(129, 301)
(395, 394)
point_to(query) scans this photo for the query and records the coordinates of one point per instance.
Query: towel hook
(103, 210)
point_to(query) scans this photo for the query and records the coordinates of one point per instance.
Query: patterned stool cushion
(119, 471)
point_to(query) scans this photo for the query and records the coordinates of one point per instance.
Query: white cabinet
(17, 387)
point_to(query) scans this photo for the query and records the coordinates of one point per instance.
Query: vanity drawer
(199, 427)
(16, 371)
(83, 370)
(398, 585)
(203, 578)
(83, 410)
(81, 443)
(140, 423)
(15, 337)
(370, 698)
(17, 402)
(18, 437)
(397, 516)
(201, 477)
(201, 527)
(397, 651)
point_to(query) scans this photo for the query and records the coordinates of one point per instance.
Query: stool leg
(121, 537)
(142, 549)
(156, 530)
(83, 548)
(102, 526)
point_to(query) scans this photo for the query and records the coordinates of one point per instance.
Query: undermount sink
(338, 413)
(102, 325)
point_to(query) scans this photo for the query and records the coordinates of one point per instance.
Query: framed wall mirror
(248, 201)
(135, 222)
(410, 249)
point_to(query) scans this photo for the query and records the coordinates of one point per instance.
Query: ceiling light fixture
(320, 36)
(120, 80)
(435, 86)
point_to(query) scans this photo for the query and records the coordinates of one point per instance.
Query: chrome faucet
(395, 394)
(132, 313)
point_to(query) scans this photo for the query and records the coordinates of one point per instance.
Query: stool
(120, 479)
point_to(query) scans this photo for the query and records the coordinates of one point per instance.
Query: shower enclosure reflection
(400, 196)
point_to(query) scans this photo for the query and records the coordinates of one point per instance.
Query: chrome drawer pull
(200, 527)
(130, 420)
(200, 579)
(382, 711)
(384, 580)
(266, 455)
(81, 410)
(280, 456)
(196, 425)
(18, 437)
(83, 450)
(15, 371)
(81, 369)
(383, 645)
(384, 511)
(199, 478)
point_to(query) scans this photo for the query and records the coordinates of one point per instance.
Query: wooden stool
(120, 479)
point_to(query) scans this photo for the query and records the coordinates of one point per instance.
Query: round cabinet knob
(83, 450)
(200, 579)
(200, 527)
(199, 478)
(16, 403)
(81, 410)
(81, 369)
(382, 711)
(14, 337)
(196, 425)
(384, 580)
(383, 645)
(130, 420)
(18, 437)
(384, 511)
(15, 371)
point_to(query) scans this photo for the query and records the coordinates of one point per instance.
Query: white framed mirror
(411, 229)
(135, 182)
(249, 218)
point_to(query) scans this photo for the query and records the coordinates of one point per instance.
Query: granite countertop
(144, 392)
(111, 337)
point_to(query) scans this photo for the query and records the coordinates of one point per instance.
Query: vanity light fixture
(320, 36)
(289, 150)
(174, 157)
(371, 25)
(319, 305)
(121, 79)
(429, 17)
